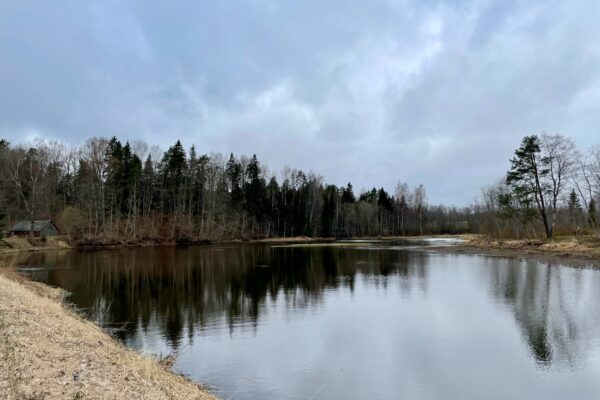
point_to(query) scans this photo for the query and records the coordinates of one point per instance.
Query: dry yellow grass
(579, 249)
(19, 244)
(48, 352)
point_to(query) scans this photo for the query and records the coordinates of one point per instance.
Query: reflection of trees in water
(174, 288)
(554, 306)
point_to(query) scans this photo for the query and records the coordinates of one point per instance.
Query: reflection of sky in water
(341, 322)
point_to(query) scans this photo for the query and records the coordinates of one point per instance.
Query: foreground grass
(48, 352)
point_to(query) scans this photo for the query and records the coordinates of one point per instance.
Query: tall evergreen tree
(527, 179)
(369, 196)
(274, 206)
(147, 186)
(255, 190)
(384, 200)
(234, 180)
(329, 211)
(592, 214)
(348, 195)
(174, 172)
(574, 206)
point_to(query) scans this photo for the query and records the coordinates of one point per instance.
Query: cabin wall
(49, 231)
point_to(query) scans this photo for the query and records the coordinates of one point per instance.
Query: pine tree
(328, 212)
(348, 195)
(574, 209)
(114, 158)
(255, 190)
(173, 170)
(234, 178)
(148, 184)
(384, 201)
(592, 213)
(369, 197)
(274, 206)
(526, 179)
(173, 173)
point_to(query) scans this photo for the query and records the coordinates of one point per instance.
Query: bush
(71, 221)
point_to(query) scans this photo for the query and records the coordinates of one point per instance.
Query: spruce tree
(592, 213)
(348, 195)
(574, 208)
(384, 201)
(234, 178)
(255, 190)
(328, 211)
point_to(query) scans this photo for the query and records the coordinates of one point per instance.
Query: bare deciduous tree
(558, 156)
(26, 168)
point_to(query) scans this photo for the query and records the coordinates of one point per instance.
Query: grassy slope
(48, 352)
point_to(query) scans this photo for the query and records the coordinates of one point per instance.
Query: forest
(110, 189)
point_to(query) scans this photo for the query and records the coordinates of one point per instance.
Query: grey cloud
(438, 92)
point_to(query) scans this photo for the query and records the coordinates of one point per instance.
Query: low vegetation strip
(19, 244)
(48, 352)
(572, 250)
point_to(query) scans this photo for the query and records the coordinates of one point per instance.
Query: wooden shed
(40, 228)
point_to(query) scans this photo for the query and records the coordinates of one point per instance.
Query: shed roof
(25, 226)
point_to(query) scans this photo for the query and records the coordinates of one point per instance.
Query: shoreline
(49, 351)
(573, 251)
(22, 244)
(579, 250)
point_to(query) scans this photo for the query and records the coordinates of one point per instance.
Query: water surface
(353, 321)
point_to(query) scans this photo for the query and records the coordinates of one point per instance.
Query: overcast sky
(372, 92)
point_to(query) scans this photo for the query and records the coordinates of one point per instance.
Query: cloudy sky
(437, 92)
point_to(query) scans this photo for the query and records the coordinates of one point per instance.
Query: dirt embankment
(17, 244)
(582, 250)
(48, 352)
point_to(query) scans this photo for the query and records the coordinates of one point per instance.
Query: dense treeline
(110, 189)
(107, 188)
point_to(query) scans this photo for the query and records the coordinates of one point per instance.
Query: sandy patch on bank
(48, 352)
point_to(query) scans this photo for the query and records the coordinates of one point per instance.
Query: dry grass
(576, 250)
(292, 239)
(48, 352)
(19, 244)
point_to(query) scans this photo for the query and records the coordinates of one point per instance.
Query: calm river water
(346, 321)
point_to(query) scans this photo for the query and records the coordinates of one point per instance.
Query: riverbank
(19, 244)
(574, 250)
(48, 352)
(580, 249)
(25, 244)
